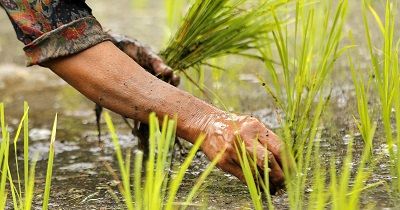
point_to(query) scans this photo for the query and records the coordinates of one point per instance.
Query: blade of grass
(26, 148)
(138, 180)
(121, 163)
(175, 183)
(193, 192)
(49, 171)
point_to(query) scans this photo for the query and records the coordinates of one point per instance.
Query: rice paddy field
(324, 75)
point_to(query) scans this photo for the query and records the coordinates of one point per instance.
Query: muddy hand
(224, 131)
(146, 58)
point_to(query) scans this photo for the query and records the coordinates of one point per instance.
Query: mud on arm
(146, 58)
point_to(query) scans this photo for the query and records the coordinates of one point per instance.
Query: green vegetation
(341, 192)
(365, 124)
(308, 49)
(22, 190)
(210, 31)
(159, 189)
(385, 68)
(255, 180)
(214, 28)
(307, 46)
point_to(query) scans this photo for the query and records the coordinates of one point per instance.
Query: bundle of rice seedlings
(214, 28)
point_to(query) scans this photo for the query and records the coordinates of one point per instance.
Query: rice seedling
(365, 124)
(385, 68)
(213, 28)
(302, 86)
(255, 180)
(345, 194)
(306, 60)
(296, 174)
(327, 189)
(22, 195)
(307, 52)
(49, 171)
(159, 187)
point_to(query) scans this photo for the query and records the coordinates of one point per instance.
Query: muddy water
(81, 180)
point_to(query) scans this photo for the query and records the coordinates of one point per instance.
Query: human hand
(146, 58)
(223, 131)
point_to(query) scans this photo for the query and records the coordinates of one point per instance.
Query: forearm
(110, 78)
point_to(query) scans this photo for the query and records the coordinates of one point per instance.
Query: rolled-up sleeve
(53, 28)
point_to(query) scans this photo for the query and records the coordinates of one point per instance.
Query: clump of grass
(307, 52)
(159, 189)
(213, 28)
(365, 124)
(367, 129)
(387, 73)
(347, 195)
(22, 195)
(306, 59)
(302, 74)
(255, 180)
(335, 188)
(341, 192)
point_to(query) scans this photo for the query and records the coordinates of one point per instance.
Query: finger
(175, 80)
(258, 168)
(272, 142)
(163, 70)
(275, 171)
(276, 175)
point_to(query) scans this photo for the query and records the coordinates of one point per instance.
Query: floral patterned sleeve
(53, 28)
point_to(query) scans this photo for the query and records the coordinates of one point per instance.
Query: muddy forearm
(146, 58)
(110, 78)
